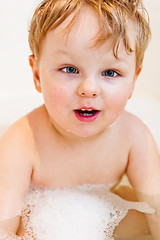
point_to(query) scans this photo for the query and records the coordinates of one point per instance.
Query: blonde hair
(114, 16)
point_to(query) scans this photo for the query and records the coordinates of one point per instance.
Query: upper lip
(85, 108)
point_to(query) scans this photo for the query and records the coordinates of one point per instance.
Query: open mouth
(86, 115)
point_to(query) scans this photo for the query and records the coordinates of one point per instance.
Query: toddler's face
(85, 88)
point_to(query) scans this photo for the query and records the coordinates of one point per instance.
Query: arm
(15, 175)
(9, 226)
(144, 173)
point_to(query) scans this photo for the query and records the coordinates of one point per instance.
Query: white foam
(87, 212)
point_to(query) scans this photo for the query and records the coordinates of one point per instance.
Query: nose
(88, 88)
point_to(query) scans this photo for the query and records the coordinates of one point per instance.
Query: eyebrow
(62, 52)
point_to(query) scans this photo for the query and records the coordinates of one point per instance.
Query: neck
(69, 138)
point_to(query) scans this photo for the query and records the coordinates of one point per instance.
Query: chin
(88, 133)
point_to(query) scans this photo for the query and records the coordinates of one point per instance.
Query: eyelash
(72, 70)
(110, 73)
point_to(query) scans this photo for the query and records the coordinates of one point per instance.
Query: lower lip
(86, 118)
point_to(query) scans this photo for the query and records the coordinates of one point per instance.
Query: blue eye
(109, 73)
(70, 70)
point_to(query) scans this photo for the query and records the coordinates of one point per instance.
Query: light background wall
(149, 82)
(17, 93)
(15, 74)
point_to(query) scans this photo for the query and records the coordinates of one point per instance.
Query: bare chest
(61, 167)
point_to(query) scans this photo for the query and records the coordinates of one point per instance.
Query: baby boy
(86, 58)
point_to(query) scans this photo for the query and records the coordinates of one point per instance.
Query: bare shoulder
(17, 139)
(143, 162)
(132, 122)
(134, 129)
(138, 133)
(20, 136)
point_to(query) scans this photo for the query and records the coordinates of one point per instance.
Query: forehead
(86, 24)
(83, 31)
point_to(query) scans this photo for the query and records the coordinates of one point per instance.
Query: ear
(34, 65)
(138, 71)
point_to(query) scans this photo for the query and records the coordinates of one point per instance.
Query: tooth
(89, 110)
(86, 114)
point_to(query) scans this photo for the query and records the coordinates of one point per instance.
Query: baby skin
(82, 134)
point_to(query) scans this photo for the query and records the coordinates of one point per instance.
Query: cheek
(117, 99)
(118, 93)
(57, 96)
(61, 95)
